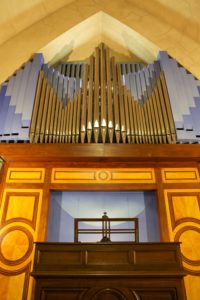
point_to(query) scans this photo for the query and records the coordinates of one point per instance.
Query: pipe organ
(101, 101)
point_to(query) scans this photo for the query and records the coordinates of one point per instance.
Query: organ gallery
(99, 172)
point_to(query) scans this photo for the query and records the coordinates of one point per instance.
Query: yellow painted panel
(72, 175)
(180, 175)
(192, 285)
(181, 211)
(20, 207)
(25, 175)
(12, 287)
(133, 175)
(185, 207)
(102, 175)
(17, 238)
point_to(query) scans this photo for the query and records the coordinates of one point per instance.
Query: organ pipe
(107, 106)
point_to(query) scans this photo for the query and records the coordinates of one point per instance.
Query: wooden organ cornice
(100, 153)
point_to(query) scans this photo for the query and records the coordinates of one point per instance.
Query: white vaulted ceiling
(78, 43)
(135, 30)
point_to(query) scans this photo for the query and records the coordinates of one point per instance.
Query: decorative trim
(32, 222)
(26, 282)
(28, 251)
(175, 222)
(14, 272)
(25, 175)
(176, 175)
(103, 175)
(192, 272)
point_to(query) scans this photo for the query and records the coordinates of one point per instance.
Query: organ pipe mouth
(105, 105)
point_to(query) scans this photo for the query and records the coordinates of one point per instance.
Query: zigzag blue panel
(184, 96)
(4, 102)
(17, 100)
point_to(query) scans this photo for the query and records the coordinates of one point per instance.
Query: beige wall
(30, 27)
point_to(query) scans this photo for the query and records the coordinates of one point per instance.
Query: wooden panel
(135, 175)
(109, 288)
(183, 213)
(16, 245)
(184, 224)
(25, 175)
(19, 219)
(173, 175)
(110, 257)
(190, 239)
(156, 257)
(64, 293)
(20, 206)
(66, 258)
(108, 272)
(76, 175)
(19, 282)
(79, 175)
(157, 294)
(184, 207)
(192, 284)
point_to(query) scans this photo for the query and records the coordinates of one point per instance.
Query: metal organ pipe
(116, 104)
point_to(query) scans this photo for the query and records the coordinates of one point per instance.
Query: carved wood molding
(104, 175)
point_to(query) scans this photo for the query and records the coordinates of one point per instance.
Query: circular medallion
(103, 175)
(190, 247)
(16, 245)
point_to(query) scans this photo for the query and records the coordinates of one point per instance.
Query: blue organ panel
(17, 95)
(17, 100)
(141, 83)
(7, 129)
(4, 102)
(31, 89)
(183, 89)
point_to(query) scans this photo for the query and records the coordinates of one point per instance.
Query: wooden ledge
(99, 153)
